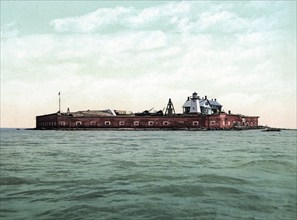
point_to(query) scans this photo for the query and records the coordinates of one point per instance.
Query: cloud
(172, 17)
(165, 16)
(92, 21)
(208, 19)
(10, 30)
(40, 58)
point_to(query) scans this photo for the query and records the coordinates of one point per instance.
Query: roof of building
(187, 104)
(214, 103)
(92, 113)
(202, 102)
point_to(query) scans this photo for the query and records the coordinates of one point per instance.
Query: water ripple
(147, 175)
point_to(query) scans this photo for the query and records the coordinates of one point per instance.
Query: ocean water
(148, 175)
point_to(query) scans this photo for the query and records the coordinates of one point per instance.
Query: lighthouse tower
(195, 107)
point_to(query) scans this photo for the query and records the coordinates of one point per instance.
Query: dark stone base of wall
(152, 129)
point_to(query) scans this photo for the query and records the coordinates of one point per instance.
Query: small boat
(271, 129)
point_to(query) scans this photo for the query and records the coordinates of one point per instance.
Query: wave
(10, 180)
(213, 178)
(270, 165)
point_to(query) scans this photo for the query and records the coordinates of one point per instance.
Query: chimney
(205, 97)
(229, 112)
(215, 99)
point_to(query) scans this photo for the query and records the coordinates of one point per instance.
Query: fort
(198, 113)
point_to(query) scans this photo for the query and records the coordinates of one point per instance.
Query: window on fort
(62, 123)
(195, 123)
(252, 124)
(229, 123)
(107, 123)
(92, 123)
(150, 123)
(136, 123)
(78, 123)
(121, 123)
(165, 122)
(212, 122)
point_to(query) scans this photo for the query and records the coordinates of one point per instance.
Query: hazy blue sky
(135, 55)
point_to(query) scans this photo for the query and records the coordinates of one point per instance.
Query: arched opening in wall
(150, 123)
(247, 124)
(252, 124)
(195, 123)
(165, 123)
(121, 123)
(78, 123)
(107, 123)
(136, 123)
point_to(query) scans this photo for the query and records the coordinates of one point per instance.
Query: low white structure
(197, 105)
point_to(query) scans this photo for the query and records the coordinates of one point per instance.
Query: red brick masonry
(183, 121)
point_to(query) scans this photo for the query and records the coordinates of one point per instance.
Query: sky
(135, 55)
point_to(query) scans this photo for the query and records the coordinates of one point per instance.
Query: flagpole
(59, 102)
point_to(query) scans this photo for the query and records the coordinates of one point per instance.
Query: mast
(59, 102)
